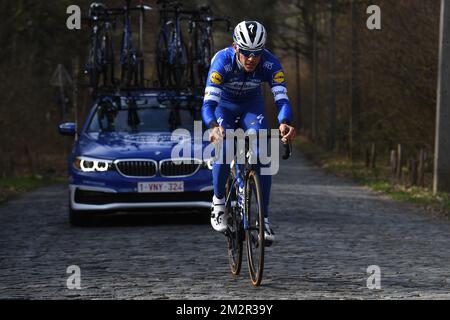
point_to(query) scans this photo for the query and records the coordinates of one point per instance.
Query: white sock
(217, 201)
(266, 220)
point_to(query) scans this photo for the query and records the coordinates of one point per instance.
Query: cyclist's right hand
(217, 133)
(288, 132)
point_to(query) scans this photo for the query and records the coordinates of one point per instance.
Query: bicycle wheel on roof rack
(206, 56)
(127, 72)
(93, 66)
(180, 68)
(162, 60)
(193, 72)
(139, 76)
(108, 57)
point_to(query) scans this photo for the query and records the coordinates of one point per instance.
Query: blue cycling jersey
(227, 80)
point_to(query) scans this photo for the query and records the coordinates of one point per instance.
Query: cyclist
(233, 89)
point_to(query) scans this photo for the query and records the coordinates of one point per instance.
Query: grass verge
(376, 179)
(11, 187)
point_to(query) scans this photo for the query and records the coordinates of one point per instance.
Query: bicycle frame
(201, 45)
(242, 171)
(127, 43)
(172, 55)
(174, 37)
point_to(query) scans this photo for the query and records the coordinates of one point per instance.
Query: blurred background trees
(349, 86)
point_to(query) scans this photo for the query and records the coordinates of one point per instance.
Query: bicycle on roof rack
(178, 66)
(172, 59)
(132, 58)
(201, 45)
(101, 60)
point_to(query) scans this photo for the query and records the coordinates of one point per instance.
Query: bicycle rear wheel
(254, 211)
(235, 230)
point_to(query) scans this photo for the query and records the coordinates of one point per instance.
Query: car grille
(183, 169)
(136, 168)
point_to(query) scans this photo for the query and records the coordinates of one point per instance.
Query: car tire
(206, 212)
(78, 218)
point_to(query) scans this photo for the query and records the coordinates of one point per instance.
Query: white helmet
(250, 36)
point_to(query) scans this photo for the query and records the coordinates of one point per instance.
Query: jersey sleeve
(276, 78)
(213, 89)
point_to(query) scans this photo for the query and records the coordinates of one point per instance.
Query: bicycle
(100, 61)
(132, 59)
(141, 8)
(171, 51)
(246, 221)
(201, 45)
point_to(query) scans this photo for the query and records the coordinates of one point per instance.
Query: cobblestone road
(328, 232)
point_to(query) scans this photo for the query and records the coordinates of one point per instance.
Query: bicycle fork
(237, 182)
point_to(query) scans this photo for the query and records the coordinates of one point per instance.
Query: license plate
(173, 186)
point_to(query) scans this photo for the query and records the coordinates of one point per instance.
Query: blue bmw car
(122, 157)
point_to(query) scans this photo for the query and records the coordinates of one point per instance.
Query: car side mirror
(68, 129)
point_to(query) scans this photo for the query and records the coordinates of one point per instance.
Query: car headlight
(87, 164)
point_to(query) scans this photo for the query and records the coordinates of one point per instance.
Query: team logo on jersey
(268, 65)
(278, 77)
(216, 78)
(260, 118)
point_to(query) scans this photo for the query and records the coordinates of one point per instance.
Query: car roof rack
(106, 91)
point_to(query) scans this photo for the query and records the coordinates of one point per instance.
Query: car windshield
(143, 114)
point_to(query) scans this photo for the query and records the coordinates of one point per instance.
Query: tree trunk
(332, 75)
(355, 85)
(442, 141)
(314, 74)
(297, 72)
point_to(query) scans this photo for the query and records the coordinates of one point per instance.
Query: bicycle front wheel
(235, 230)
(254, 212)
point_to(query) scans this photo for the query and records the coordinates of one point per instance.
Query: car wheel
(206, 212)
(77, 218)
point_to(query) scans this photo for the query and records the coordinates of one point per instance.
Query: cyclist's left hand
(290, 135)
